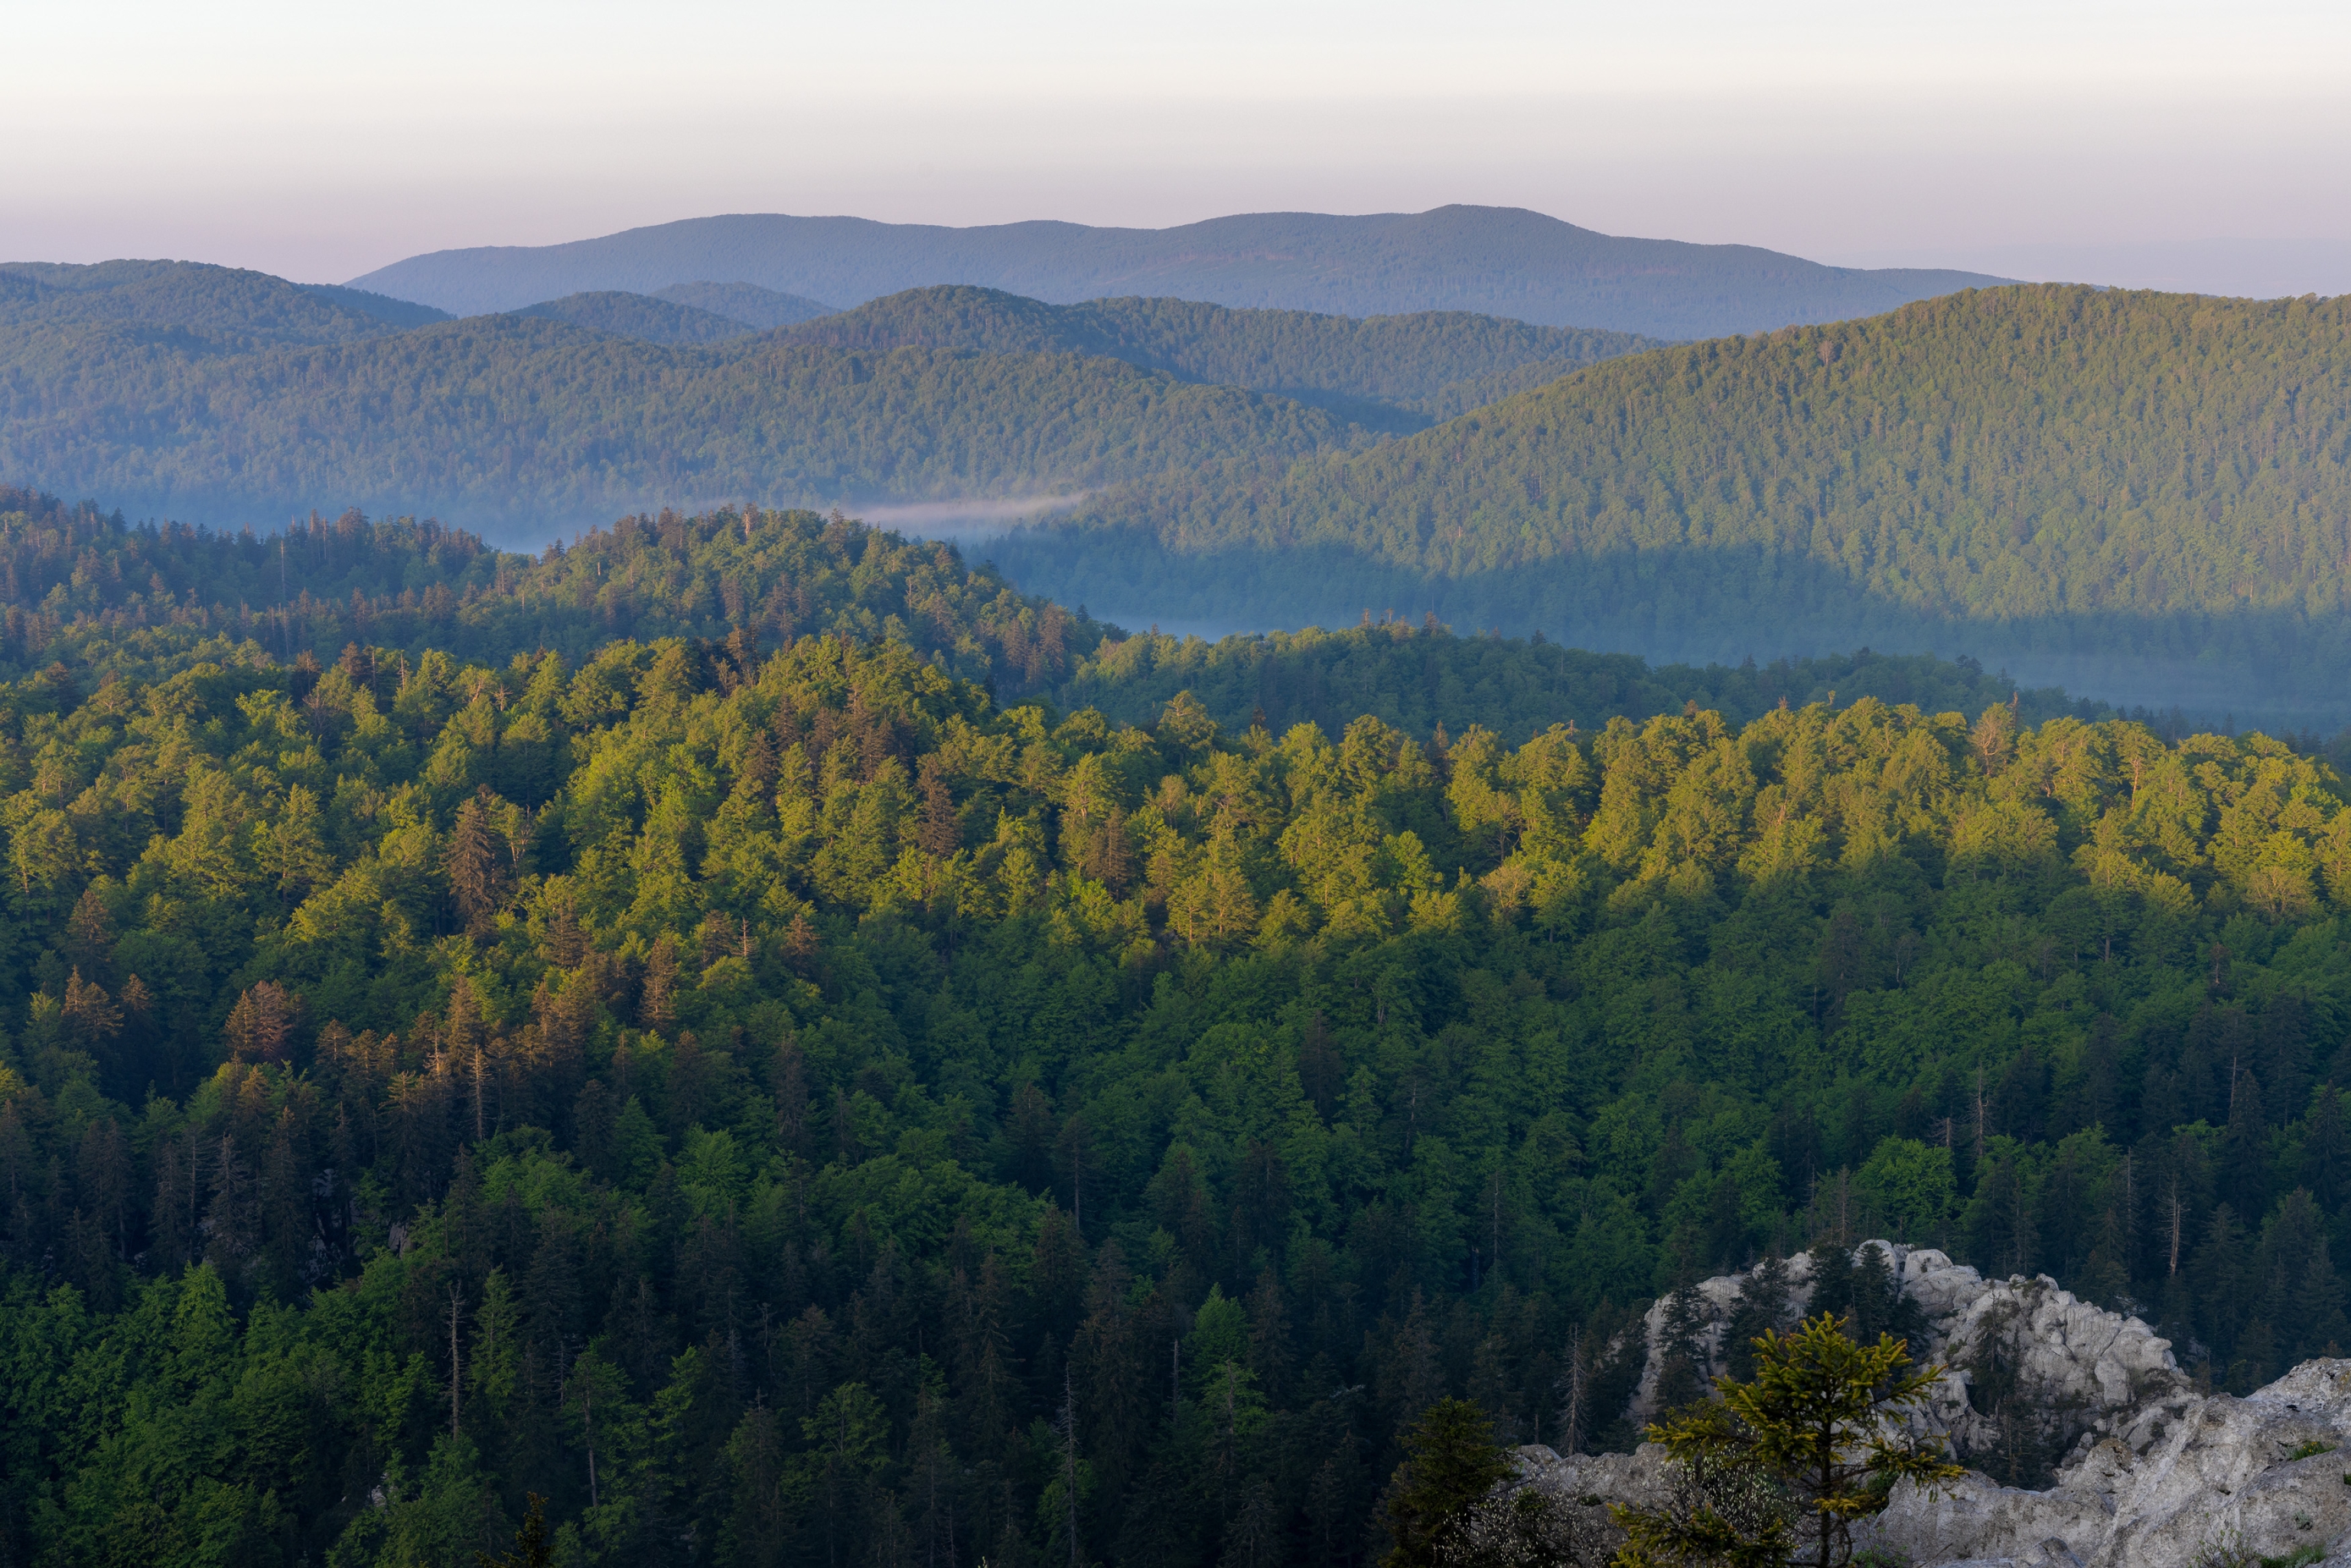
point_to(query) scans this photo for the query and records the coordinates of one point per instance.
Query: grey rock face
(2172, 1481)
(2157, 1475)
(2071, 1360)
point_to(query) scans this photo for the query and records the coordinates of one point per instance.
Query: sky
(2153, 143)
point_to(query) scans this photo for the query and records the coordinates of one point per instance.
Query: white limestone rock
(2170, 1483)
(2160, 1476)
(2078, 1360)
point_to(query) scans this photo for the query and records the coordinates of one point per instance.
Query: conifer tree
(476, 877)
(1783, 1466)
(1451, 1462)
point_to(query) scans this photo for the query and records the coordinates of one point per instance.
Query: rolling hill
(524, 426)
(2139, 495)
(106, 596)
(744, 302)
(1495, 261)
(227, 307)
(2059, 477)
(641, 316)
(231, 398)
(1388, 369)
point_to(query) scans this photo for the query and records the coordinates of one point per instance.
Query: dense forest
(744, 302)
(779, 1103)
(226, 397)
(1386, 372)
(2151, 486)
(2137, 496)
(220, 309)
(521, 423)
(1419, 678)
(641, 316)
(1495, 261)
(107, 598)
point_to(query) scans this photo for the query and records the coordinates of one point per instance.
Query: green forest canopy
(641, 316)
(744, 302)
(106, 597)
(1387, 371)
(2144, 492)
(2135, 496)
(223, 307)
(795, 1108)
(529, 425)
(223, 397)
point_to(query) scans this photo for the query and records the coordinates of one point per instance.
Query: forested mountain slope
(2145, 492)
(1433, 365)
(515, 424)
(1495, 261)
(744, 302)
(1418, 679)
(225, 307)
(106, 599)
(641, 316)
(256, 396)
(794, 1110)
(227, 398)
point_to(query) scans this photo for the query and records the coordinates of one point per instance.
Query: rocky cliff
(2150, 1472)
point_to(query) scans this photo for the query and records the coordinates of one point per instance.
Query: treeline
(1421, 679)
(214, 309)
(2041, 475)
(790, 1108)
(105, 597)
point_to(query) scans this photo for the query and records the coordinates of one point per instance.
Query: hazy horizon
(320, 146)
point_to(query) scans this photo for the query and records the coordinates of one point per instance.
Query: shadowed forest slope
(107, 599)
(2058, 478)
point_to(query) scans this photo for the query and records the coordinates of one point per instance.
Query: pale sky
(2059, 138)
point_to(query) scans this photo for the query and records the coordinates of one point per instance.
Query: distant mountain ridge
(225, 305)
(1495, 261)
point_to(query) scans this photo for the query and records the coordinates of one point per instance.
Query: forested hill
(791, 1109)
(518, 424)
(1435, 364)
(234, 399)
(744, 302)
(641, 316)
(218, 307)
(2144, 493)
(1495, 261)
(105, 599)
(230, 398)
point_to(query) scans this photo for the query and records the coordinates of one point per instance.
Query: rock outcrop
(2178, 1480)
(2154, 1473)
(2066, 1361)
